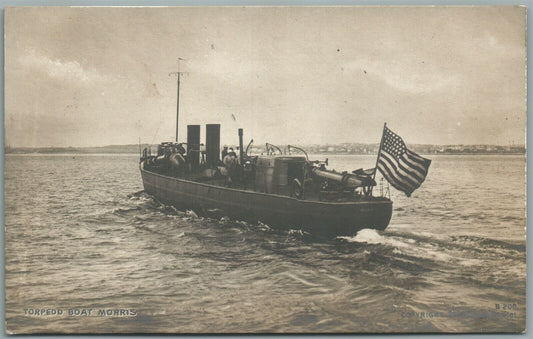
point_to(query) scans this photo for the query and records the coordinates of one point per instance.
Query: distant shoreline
(103, 153)
(343, 149)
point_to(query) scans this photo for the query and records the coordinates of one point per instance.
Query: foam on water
(370, 236)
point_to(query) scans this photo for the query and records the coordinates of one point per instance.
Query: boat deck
(249, 186)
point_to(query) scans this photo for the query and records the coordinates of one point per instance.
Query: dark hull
(319, 218)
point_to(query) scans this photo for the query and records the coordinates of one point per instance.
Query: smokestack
(212, 145)
(193, 146)
(241, 150)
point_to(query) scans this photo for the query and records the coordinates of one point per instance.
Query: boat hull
(327, 219)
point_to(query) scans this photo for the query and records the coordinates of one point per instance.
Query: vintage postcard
(265, 169)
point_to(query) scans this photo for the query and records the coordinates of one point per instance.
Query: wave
(190, 213)
(370, 236)
(461, 250)
(121, 210)
(136, 194)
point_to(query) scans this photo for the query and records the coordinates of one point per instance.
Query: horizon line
(320, 144)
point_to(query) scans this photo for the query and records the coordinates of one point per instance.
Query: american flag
(404, 169)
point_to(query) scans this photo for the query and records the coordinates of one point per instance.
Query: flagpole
(379, 151)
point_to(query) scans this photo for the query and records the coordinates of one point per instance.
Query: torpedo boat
(281, 188)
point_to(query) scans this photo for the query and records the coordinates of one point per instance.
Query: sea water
(88, 252)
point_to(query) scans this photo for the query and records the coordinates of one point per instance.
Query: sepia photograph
(265, 169)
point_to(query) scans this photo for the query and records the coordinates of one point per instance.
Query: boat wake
(398, 248)
(370, 268)
(370, 236)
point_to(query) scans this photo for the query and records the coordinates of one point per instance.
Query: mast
(178, 107)
(178, 73)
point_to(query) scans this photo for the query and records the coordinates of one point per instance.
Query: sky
(87, 76)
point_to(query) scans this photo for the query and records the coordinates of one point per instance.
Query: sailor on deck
(224, 152)
(231, 163)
